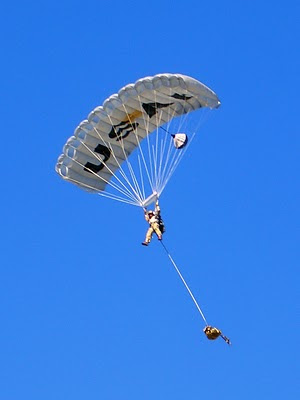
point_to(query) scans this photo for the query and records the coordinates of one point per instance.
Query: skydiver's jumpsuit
(154, 224)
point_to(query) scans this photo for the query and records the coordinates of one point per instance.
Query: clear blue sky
(86, 311)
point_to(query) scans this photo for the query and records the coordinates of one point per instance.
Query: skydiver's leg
(155, 227)
(149, 235)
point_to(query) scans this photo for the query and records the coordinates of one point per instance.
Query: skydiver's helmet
(150, 213)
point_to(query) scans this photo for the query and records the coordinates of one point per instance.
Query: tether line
(184, 282)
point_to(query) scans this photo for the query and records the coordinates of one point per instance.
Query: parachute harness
(184, 282)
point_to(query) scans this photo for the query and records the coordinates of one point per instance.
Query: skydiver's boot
(159, 237)
(145, 243)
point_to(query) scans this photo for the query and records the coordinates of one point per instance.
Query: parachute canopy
(97, 156)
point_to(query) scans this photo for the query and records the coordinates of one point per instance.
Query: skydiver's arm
(157, 208)
(146, 216)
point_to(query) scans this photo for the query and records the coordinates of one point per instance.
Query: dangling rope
(184, 282)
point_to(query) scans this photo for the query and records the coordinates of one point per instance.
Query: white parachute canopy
(136, 120)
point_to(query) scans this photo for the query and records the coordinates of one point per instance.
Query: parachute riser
(149, 200)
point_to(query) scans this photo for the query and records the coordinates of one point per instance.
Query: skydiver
(156, 224)
(213, 333)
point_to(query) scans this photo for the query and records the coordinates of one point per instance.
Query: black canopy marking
(151, 108)
(181, 96)
(102, 150)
